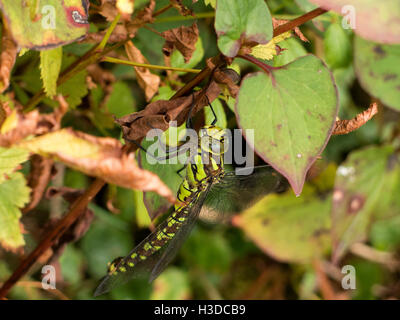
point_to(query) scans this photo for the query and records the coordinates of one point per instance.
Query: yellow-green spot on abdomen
(133, 255)
(143, 257)
(122, 269)
(147, 246)
(131, 264)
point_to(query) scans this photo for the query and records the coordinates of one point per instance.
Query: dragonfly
(206, 182)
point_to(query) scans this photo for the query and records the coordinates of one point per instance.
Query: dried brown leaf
(347, 126)
(38, 179)
(148, 81)
(99, 157)
(144, 16)
(32, 123)
(183, 10)
(108, 9)
(77, 230)
(9, 50)
(183, 39)
(158, 114)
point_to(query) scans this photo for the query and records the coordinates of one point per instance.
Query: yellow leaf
(9, 123)
(268, 51)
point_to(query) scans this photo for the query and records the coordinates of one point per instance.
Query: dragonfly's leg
(189, 123)
(212, 109)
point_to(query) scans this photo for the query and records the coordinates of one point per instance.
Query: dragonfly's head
(213, 139)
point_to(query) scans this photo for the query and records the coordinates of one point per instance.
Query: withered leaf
(183, 10)
(158, 114)
(99, 157)
(9, 50)
(77, 230)
(31, 123)
(108, 9)
(183, 39)
(347, 126)
(38, 179)
(148, 81)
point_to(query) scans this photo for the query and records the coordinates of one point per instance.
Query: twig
(150, 66)
(347, 126)
(298, 21)
(53, 235)
(385, 258)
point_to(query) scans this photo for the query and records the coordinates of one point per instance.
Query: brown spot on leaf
(279, 126)
(273, 144)
(379, 51)
(388, 77)
(356, 203)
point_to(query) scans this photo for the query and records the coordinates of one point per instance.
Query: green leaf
(14, 194)
(240, 22)
(372, 20)
(177, 60)
(212, 3)
(294, 49)
(10, 158)
(173, 284)
(50, 24)
(74, 89)
(364, 189)
(121, 101)
(378, 69)
(337, 46)
(292, 113)
(50, 66)
(289, 228)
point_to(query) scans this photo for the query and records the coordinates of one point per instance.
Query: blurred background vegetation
(241, 260)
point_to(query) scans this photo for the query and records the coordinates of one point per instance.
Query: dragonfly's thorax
(205, 166)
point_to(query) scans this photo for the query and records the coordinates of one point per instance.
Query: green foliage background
(244, 260)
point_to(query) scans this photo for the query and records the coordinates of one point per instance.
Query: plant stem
(150, 66)
(201, 15)
(52, 235)
(298, 21)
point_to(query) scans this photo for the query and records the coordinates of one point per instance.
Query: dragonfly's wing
(153, 265)
(175, 244)
(236, 192)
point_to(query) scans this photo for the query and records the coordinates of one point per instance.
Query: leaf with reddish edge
(374, 20)
(292, 111)
(366, 188)
(50, 24)
(378, 70)
(240, 23)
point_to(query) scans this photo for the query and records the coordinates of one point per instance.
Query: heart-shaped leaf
(292, 112)
(239, 22)
(378, 69)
